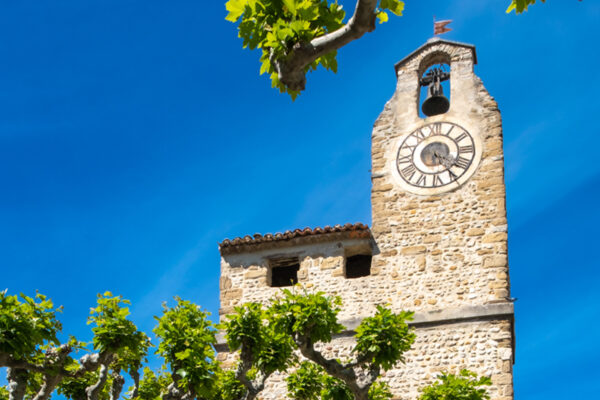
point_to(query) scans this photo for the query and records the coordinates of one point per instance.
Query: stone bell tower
(438, 241)
(439, 218)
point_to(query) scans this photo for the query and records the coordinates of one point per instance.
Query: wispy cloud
(173, 280)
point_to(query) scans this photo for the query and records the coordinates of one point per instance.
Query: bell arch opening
(434, 85)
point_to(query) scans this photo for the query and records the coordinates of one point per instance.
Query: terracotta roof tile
(247, 242)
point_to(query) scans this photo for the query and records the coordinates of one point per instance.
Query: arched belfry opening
(434, 85)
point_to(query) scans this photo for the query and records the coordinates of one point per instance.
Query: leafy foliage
(309, 382)
(113, 331)
(250, 329)
(306, 382)
(265, 338)
(152, 385)
(74, 388)
(229, 388)
(25, 325)
(385, 337)
(464, 386)
(520, 6)
(380, 391)
(187, 337)
(274, 26)
(309, 314)
(335, 389)
(278, 27)
(117, 335)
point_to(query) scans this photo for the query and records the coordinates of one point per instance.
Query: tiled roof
(248, 242)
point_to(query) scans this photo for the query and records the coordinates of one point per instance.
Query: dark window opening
(358, 266)
(284, 272)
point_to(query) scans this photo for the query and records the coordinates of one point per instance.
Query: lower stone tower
(438, 242)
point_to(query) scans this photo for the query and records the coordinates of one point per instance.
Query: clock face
(437, 156)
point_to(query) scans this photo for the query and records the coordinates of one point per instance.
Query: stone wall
(481, 346)
(244, 276)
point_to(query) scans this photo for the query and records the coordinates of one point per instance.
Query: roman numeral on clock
(465, 149)
(404, 159)
(461, 137)
(422, 181)
(461, 162)
(408, 172)
(419, 135)
(436, 129)
(437, 181)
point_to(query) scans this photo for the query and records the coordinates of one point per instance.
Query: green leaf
(235, 8)
(307, 10)
(382, 17)
(395, 6)
(291, 6)
(519, 6)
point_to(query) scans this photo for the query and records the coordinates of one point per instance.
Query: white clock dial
(437, 156)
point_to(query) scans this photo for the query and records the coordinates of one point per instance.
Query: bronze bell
(435, 103)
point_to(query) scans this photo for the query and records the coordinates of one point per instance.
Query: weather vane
(440, 27)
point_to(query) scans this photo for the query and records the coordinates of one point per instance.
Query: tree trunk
(17, 383)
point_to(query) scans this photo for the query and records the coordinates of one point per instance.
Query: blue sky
(135, 135)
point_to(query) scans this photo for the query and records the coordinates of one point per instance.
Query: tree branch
(87, 363)
(117, 385)
(253, 387)
(54, 366)
(333, 367)
(135, 375)
(366, 380)
(93, 391)
(359, 384)
(244, 366)
(53, 372)
(172, 392)
(7, 361)
(291, 70)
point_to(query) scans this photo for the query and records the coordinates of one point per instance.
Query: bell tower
(438, 242)
(439, 217)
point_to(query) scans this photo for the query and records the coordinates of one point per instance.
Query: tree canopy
(298, 36)
(285, 335)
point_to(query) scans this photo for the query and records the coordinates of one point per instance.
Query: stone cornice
(429, 318)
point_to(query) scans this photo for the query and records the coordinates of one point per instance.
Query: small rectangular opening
(284, 271)
(358, 266)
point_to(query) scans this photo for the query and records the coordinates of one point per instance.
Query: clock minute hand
(447, 162)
